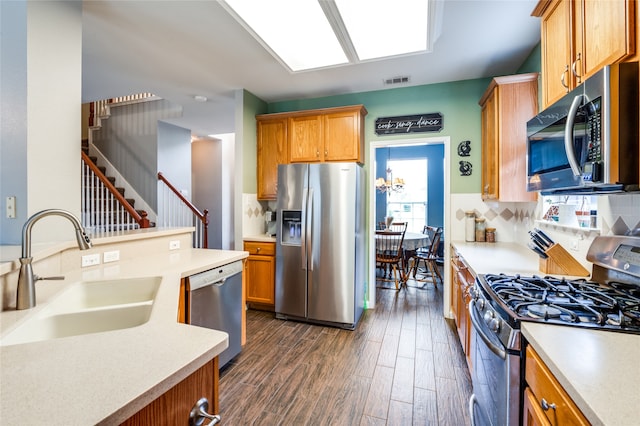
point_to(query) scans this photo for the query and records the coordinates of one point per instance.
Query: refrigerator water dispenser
(291, 227)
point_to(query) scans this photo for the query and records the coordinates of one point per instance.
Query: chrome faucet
(27, 279)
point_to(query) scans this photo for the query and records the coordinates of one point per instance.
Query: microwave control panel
(592, 170)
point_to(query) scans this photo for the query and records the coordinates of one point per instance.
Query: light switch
(11, 207)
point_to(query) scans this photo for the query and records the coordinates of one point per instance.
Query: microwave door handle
(568, 135)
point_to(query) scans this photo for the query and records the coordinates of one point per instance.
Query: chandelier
(390, 184)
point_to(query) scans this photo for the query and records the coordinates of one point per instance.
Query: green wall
(252, 105)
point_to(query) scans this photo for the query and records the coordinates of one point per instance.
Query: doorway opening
(430, 154)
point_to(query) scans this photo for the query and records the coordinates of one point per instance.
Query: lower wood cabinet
(463, 281)
(174, 406)
(260, 272)
(545, 401)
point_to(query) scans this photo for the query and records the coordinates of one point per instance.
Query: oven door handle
(473, 314)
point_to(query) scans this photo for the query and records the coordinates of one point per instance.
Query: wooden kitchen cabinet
(545, 401)
(311, 136)
(272, 150)
(507, 104)
(306, 144)
(332, 134)
(260, 270)
(173, 406)
(463, 281)
(580, 37)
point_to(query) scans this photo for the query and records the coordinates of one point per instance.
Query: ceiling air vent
(396, 80)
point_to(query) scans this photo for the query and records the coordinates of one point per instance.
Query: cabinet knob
(317, 153)
(199, 414)
(546, 406)
(258, 249)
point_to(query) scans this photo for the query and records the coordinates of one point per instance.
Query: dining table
(412, 241)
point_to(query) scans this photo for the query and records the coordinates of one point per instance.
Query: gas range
(614, 306)
(609, 300)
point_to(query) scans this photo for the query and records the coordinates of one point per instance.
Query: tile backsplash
(617, 215)
(253, 215)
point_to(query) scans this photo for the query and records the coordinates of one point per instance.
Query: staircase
(105, 210)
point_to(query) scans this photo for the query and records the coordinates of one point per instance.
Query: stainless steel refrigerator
(320, 255)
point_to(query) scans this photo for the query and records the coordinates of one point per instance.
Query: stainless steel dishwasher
(214, 300)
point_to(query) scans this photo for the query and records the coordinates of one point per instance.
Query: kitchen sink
(90, 307)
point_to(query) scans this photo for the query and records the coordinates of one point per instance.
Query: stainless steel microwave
(587, 142)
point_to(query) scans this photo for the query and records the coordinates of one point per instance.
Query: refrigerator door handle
(303, 239)
(308, 224)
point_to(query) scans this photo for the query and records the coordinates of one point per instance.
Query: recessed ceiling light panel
(380, 28)
(308, 34)
(297, 31)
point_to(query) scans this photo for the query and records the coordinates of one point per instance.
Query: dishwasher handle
(215, 277)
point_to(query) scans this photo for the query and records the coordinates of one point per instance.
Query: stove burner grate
(558, 300)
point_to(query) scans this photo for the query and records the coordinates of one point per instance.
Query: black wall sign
(432, 122)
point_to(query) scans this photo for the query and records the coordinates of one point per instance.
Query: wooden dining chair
(389, 254)
(399, 226)
(429, 257)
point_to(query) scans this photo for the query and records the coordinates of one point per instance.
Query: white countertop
(492, 258)
(104, 378)
(264, 238)
(600, 370)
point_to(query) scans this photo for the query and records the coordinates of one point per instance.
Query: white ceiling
(178, 49)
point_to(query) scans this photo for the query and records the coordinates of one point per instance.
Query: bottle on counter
(490, 235)
(470, 226)
(480, 229)
(593, 219)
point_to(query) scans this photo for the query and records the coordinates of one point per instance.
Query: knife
(538, 250)
(544, 236)
(540, 242)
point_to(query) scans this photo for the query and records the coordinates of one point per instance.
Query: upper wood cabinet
(507, 104)
(306, 144)
(272, 150)
(311, 136)
(580, 37)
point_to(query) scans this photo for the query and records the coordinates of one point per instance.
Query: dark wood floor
(403, 365)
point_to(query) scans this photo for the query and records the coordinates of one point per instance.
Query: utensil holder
(560, 262)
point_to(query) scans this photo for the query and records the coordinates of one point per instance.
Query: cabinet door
(342, 138)
(608, 33)
(518, 103)
(490, 124)
(557, 50)
(305, 139)
(261, 279)
(532, 413)
(173, 407)
(271, 151)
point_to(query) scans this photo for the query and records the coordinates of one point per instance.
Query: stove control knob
(494, 325)
(480, 304)
(488, 316)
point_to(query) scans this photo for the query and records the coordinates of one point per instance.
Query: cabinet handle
(565, 72)
(199, 414)
(574, 68)
(317, 153)
(545, 405)
(258, 249)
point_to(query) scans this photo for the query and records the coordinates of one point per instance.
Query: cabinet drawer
(260, 248)
(548, 393)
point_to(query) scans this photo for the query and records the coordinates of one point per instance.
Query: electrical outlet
(575, 245)
(111, 256)
(11, 207)
(90, 259)
(174, 244)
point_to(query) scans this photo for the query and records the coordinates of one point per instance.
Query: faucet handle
(36, 278)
